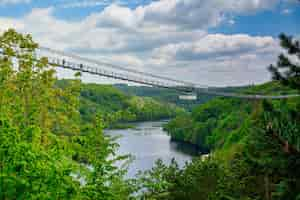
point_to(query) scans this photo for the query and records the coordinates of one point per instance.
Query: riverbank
(133, 124)
(122, 126)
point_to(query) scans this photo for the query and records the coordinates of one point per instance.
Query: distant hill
(120, 106)
(172, 96)
(222, 122)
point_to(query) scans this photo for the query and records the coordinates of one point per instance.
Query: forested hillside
(254, 152)
(52, 144)
(222, 121)
(117, 107)
(172, 96)
(254, 145)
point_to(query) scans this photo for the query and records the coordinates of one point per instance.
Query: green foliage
(162, 95)
(272, 88)
(290, 76)
(198, 180)
(156, 182)
(172, 96)
(255, 152)
(29, 170)
(253, 161)
(254, 149)
(52, 144)
(117, 107)
(26, 88)
(46, 151)
(212, 125)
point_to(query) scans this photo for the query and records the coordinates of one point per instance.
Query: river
(148, 142)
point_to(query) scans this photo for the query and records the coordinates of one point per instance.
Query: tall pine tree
(287, 71)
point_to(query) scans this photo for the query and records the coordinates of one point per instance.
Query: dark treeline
(172, 96)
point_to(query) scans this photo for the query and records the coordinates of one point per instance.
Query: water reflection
(149, 142)
(181, 147)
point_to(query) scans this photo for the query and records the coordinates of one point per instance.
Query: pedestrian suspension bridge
(187, 90)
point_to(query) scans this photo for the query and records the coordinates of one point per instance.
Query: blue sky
(65, 9)
(284, 17)
(273, 22)
(214, 42)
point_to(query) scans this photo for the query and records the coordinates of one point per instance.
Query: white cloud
(118, 16)
(231, 22)
(216, 45)
(219, 59)
(200, 14)
(166, 37)
(192, 14)
(286, 11)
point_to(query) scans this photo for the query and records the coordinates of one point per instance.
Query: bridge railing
(98, 69)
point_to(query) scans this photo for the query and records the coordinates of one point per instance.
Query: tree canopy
(286, 70)
(44, 154)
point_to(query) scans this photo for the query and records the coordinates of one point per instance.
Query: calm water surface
(147, 142)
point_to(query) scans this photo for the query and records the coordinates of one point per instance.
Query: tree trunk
(286, 147)
(267, 188)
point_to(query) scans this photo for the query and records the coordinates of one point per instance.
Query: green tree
(291, 70)
(46, 152)
(28, 94)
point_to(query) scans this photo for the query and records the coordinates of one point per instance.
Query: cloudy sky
(210, 42)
